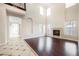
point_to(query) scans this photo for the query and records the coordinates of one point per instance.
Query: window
(70, 28)
(41, 10)
(48, 11)
(14, 26)
(14, 30)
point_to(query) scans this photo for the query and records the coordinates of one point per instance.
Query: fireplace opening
(56, 32)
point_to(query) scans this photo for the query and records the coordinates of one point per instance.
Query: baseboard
(49, 36)
(64, 38)
(33, 37)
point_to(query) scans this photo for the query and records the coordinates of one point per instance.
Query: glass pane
(14, 24)
(70, 28)
(14, 30)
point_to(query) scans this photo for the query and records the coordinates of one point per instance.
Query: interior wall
(26, 28)
(57, 15)
(71, 14)
(33, 12)
(4, 20)
(78, 21)
(2, 25)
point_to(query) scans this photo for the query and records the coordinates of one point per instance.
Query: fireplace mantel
(59, 35)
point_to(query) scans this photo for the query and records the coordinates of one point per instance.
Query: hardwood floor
(47, 46)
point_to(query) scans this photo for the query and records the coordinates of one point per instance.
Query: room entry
(14, 26)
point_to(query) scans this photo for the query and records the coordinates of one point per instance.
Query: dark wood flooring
(47, 46)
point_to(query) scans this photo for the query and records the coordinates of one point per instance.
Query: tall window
(43, 28)
(14, 30)
(41, 10)
(48, 11)
(14, 26)
(70, 28)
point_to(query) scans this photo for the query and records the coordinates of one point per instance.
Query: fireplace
(56, 32)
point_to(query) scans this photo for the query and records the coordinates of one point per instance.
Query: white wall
(57, 15)
(78, 22)
(4, 20)
(57, 18)
(33, 11)
(2, 24)
(72, 14)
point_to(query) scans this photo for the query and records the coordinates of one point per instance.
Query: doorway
(14, 26)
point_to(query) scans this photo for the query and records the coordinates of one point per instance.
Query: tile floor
(16, 47)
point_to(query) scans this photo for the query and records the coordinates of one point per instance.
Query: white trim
(31, 49)
(63, 38)
(27, 36)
